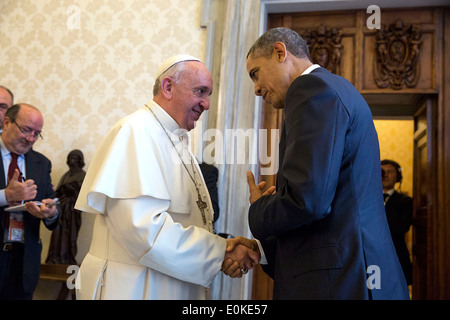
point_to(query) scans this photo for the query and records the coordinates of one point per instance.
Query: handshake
(241, 255)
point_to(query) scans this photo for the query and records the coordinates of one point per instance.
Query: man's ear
(6, 121)
(166, 88)
(279, 48)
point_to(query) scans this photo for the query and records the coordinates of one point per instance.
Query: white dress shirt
(6, 159)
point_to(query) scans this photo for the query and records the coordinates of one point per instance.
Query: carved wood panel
(397, 50)
(401, 56)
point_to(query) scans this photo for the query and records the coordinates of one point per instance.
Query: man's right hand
(20, 191)
(241, 255)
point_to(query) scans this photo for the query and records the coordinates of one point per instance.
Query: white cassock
(149, 239)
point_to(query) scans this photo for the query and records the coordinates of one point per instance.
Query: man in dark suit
(20, 252)
(398, 212)
(324, 231)
(6, 102)
(211, 175)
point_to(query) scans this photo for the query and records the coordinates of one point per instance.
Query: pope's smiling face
(191, 95)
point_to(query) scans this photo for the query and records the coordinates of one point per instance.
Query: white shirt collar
(5, 151)
(390, 192)
(168, 122)
(310, 68)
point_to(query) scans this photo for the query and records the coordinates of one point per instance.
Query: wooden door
(424, 202)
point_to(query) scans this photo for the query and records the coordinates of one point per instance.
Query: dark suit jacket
(326, 225)
(210, 174)
(399, 215)
(38, 168)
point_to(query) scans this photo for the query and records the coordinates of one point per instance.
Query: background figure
(398, 208)
(6, 102)
(210, 174)
(63, 245)
(20, 253)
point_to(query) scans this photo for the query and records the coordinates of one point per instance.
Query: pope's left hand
(46, 210)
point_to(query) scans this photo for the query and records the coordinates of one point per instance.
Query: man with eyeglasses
(24, 176)
(6, 101)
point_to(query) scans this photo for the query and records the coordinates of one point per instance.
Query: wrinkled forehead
(30, 116)
(4, 95)
(198, 72)
(251, 62)
(254, 64)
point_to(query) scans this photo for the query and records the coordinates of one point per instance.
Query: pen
(22, 176)
(49, 205)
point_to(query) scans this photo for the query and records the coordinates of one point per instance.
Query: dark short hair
(397, 167)
(12, 112)
(295, 44)
(9, 91)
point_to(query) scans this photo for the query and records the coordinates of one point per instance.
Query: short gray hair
(175, 72)
(295, 44)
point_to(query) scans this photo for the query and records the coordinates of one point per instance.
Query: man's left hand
(256, 190)
(46, 210)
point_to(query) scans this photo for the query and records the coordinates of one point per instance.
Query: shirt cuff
(51, 219)
(263, 255)
(3, 201)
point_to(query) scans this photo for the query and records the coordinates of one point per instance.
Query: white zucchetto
(174, 60)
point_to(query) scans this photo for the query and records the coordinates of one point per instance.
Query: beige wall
(85, 79)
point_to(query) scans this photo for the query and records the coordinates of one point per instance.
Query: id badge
(16, 230)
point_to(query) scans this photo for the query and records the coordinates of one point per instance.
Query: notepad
(21, 207)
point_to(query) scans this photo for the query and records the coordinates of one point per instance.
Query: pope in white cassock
(152, 236)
